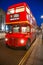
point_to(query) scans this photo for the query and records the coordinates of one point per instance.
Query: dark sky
(36, 7)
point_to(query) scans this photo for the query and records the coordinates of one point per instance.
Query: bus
(20, 26)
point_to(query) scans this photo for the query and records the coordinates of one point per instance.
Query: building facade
(2, 20)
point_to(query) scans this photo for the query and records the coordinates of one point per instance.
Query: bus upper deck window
(20, 9)
(10, 11)
(27, 10)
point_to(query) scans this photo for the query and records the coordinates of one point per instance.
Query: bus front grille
(13, 41)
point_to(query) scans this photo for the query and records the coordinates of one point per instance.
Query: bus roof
(16, 5)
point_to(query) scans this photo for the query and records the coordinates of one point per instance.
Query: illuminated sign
(14, 17)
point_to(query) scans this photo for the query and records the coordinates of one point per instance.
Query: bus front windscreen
(8, 28)
(25, 29)
(16, 29)
(22, 29)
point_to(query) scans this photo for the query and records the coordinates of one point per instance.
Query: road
(36, 57)
(10, 56)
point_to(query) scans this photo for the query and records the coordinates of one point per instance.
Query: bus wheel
(7, 45)
(28, 44)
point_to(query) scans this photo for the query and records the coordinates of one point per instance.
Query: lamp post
(42, 26)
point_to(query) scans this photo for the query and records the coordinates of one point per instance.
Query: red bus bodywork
(20, 15)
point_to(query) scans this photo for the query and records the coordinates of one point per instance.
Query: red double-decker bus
(20, 26)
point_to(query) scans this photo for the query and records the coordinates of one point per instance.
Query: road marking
(28, 53)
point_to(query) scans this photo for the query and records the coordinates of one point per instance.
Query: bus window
(33, 29)
(20, 9)
(28, 29)
(25, 29)
(8, 28)
(16, 29)
(27, 10)
(11, 11)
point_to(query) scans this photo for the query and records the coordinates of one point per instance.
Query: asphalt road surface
(10, 56)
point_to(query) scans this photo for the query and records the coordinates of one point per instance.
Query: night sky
(36, 6)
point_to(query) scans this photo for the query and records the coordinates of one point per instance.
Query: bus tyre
(5, 45)
(28, 44)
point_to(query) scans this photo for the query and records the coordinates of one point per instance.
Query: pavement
(2, 35)
(36, 57)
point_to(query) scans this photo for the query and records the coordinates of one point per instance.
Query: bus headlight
(22, 41)
(6, 39)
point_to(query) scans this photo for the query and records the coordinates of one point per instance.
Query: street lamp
(41, 17)
(41, 23)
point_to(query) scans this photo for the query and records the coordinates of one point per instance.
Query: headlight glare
(22, 41)
(6, 39)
